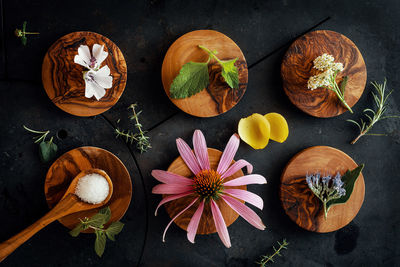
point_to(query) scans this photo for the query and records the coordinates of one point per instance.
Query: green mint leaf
(349, 179)
(114, 229)
(75, 232)
(99, 219)
(230, 73)
(100, 243)
(47, 151)
(192, 78)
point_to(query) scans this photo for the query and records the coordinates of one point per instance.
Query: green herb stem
(211, 54)
(269, 258)
(339, 93)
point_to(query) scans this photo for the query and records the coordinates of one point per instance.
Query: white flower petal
(79, 60)
(104, 71)
(99, 54)
(98, 91)
(104, 81)
(84, 54)
(89, 91)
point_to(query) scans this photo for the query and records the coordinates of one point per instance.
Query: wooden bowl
(302, 206)
(66, 167)
(206, 225)
(63, 79)
(218, 97)
(297, 68)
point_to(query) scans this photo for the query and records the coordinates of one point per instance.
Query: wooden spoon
(70, 203)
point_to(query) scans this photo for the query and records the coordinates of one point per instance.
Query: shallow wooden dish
(302, 206)
(63, 79)
(297, 68)
(206, 225)
(66, 167)
(218, 97)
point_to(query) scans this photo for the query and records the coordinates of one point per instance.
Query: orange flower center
(208, 184)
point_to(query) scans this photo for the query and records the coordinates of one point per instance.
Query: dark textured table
(144, 30)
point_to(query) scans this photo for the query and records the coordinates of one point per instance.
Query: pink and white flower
(208, 185)
(96, 79)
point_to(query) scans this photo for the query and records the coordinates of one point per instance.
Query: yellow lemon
(255, 131)
(279, 127)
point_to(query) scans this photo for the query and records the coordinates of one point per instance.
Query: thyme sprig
(142, 141)
(277, 251)
(22, 33)
(374, 115)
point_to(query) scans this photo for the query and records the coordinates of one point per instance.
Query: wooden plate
(297, 68)
(218, 96)
(66, 167)
(302, 206)
(62, 78)
(206, 225)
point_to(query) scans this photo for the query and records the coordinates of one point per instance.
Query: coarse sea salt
(92, 188)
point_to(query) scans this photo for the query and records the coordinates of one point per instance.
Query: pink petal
(245, 180)
(229, 153)
(171, 189)
(170, 178)
(188, 156)
(170, 198)
(166, 228)
(194, 222)
(247, 196)
(248, 214)
(220, 224)
(237, 166)
(200, 149)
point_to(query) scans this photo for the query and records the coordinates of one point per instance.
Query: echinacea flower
(209, 185)
(96, 79)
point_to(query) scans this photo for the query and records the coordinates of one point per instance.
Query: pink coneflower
(208, 185)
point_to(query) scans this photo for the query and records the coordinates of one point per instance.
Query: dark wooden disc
(63, 79)
(66, 167)
(302, 206)
(218, 96)
(297, 68)
(206, 225)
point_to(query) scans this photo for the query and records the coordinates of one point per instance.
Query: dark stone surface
(144, 30)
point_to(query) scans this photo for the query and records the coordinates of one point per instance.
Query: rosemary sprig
(22, 33)
(374, 115)
(142, 141)
(270, 258)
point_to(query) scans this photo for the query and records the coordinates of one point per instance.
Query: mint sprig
(47, 149)
(96, 222)
(193, 76)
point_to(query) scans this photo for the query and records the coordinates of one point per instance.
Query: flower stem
(210, 53)
(325, 211)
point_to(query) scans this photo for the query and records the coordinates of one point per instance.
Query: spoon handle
(64, 207)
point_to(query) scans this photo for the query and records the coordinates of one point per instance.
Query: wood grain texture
(218, 96)
(63, 79)
(297, 68)
(206, 225)
(302, 206)
(66, 167)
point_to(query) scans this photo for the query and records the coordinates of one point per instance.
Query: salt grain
(92, 188)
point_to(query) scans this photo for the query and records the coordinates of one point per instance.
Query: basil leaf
(192, 78)
(100, 243)
(349, 179)
(75, 232)
(47, 151)
(230, 73)
(114, 229)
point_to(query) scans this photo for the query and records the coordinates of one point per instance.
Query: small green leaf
(230, 73)
(100, 243)
(349, 179)
(114, 229)
(343, 84)
(192, 78)
(24, 26)
(99, 219)
(23, 39)
(75, 232)
(47, 151)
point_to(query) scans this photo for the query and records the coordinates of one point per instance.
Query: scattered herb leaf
(96, 222)
(22, 33)
(47, 149)
(277, 251)
(230, 73)
(377, 115)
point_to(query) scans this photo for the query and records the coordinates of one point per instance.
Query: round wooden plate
(66, 167)
(218, 96)
(302, 206)
(206, 225)
(63, 79)
(297, 68)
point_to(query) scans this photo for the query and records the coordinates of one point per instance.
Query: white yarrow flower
(323, 62)
(96, 79)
